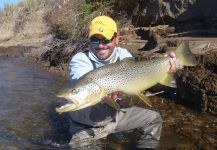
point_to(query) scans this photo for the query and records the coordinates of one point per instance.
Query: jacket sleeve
(123, 53)
(78, 66)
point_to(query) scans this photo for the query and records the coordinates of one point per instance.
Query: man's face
(102, 47)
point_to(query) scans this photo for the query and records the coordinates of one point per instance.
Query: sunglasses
(97, 41)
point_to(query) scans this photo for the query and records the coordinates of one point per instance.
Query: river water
(27, 103)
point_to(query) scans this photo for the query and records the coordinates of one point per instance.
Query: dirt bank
(198, 86)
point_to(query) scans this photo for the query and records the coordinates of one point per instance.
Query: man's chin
(102, 57)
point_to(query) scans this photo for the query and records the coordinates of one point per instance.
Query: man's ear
(117, 37)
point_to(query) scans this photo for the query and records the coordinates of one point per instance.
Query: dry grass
(70, 18)
(74, 22)
(28, 5)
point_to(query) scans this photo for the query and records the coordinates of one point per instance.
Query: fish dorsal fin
(168, 80)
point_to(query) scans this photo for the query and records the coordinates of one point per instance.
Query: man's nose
(101, 45)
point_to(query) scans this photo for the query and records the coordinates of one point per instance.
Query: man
(101, 120)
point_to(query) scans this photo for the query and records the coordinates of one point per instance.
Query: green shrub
(74, 23)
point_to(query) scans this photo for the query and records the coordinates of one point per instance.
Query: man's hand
(172, 59)
(115, 95)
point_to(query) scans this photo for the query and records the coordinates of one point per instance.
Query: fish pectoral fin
(169, 80)
(112, 103)
(144, 99)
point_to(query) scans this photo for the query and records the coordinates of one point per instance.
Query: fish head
(79, 97)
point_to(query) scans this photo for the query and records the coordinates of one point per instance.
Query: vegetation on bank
(69, 19)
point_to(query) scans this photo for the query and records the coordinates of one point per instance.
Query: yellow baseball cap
(104, 26)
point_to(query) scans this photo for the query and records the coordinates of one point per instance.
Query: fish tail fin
(184, 54)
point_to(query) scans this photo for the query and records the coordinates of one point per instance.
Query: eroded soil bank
(198, 85)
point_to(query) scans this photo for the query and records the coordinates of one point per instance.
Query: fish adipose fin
(184, 54)
(144, 99)
(168, 80)
(112, 103)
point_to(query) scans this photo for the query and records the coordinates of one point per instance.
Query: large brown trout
(129, 76)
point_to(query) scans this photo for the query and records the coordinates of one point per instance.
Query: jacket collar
(111, 59)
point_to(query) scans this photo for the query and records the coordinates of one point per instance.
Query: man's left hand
(114, 95)
(172, 59)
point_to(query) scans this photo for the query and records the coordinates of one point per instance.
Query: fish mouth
(70, 106)
(70, 98)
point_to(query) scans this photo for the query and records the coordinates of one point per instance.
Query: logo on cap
(100, 29)
(100, 22)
